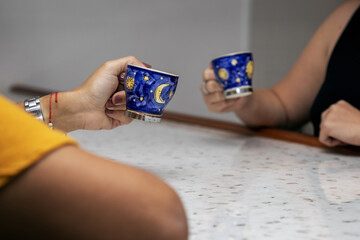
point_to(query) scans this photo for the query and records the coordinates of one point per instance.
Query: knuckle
(323, 115)
(204, 74)
(335, 106)
(208, 73)
(324, 125)
(108, 64)
(132, 58)
(212, 86)
(326, 128)
(341, 102)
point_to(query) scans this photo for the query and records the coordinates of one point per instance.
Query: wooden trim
(206, 122)
(278, 134)
(27, 90)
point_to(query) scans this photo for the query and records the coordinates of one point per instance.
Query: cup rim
(231, 54)
(154, 70)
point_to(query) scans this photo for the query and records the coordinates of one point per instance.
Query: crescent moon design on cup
(157, 93)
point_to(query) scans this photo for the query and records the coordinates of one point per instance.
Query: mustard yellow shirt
(23, 140)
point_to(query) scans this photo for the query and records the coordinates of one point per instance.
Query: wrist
(65, 114)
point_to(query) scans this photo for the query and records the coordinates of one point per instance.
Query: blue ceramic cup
(148, 91)
(234, 72)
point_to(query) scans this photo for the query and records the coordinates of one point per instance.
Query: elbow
(170, 221)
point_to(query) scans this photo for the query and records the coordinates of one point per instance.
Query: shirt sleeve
(24, 140)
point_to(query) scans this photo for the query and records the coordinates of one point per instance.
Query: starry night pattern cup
(148, 91)
(234, 72)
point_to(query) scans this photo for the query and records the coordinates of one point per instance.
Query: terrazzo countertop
(240, 187)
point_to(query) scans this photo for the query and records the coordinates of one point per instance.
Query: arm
(287, 103)
(93, 105)
(73, 194)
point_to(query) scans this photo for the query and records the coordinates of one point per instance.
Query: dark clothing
(342, 80)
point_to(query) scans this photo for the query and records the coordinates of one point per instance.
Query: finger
(147, 65)
(115, 123)
(209, 74)
(117, 66)
(118, 115)
(220, 107)
(325, 137)
(331, 142)
(233, 104)
(324, 114)
(214, 97)
(116, 107)
(119, 98)
(337, 142)
(109, 105)
(213, 86)
(213, 107)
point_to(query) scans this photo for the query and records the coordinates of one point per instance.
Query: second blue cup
(234, 73)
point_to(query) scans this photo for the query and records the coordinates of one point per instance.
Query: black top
(342, 80)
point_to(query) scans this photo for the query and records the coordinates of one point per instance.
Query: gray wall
(280, 30)
(57, 44)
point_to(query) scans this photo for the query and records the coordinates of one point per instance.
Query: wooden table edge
(279, 134)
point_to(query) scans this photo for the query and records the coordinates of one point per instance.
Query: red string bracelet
(56, 100)
(50, 123)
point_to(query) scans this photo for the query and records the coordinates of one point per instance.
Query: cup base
(238, 92)
(142, 116)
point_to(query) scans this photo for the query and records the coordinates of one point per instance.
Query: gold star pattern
(234, 62)
(223, 74)
(130, 82)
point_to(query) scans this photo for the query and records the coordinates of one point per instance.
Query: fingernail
(147, 65)
(108, 111)
(117, 99)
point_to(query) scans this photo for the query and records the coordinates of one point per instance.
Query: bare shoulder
(337, 21)
(344, 12)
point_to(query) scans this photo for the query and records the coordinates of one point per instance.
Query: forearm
(263, 109)
(69, 190)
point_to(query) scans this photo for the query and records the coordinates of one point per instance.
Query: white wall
(57, 44)
(280, 31)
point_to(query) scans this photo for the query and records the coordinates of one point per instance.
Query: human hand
(340, 125)
(213, 95)
(101, 104)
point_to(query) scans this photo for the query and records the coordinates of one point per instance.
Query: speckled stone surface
(241, 187)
